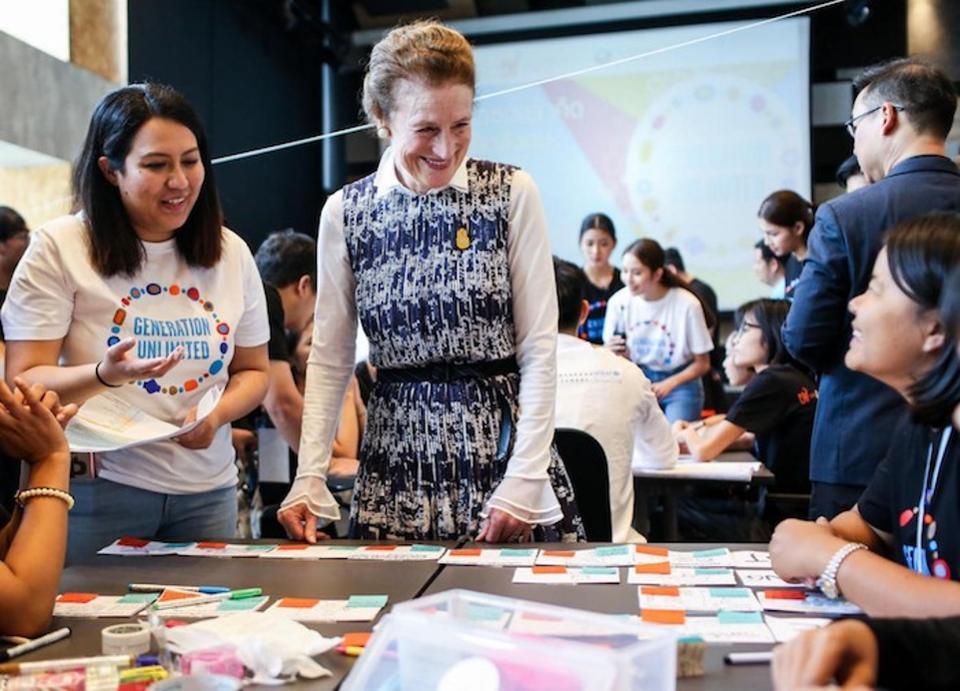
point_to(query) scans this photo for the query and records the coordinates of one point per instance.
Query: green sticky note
(177, 545)
(740, 617)
(250, 603)
(711, 572)
(367, 601)
(426, 548)
(730, 592)
(344, 548)
(131, 598)
(614, 551)
(599, 570)
(484, 613)
(706, 553)
(514, 553)
(690, 639)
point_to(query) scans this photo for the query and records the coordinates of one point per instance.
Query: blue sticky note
(711, 572)
(614, 551)
(367, 601)
(484, 613)
(145, 598)
(730, 592)
(514, 553)
(706, 553)
(242, 605)
(426, 548)
(739, 617)
(599, 570)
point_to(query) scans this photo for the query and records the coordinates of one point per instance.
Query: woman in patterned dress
(445, 260)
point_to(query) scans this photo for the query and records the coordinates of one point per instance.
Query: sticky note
(367, 601)
(784, 594)
(711, 572)
(291, 548)
(706, 553)
(250, 603)
(660, 567)
(484, 613)
(168, 595)
(614, 551)
(548, 569)
(344, 548)
(729, 592)
(132, 542)
(654, 551)
(599, 570)
(565, 554)
(663, 616)
(517, 553)
(668, 590)
(356, 638)
(739, 617)
(426, 548)
(380, 548)
(211, 545)
(77, 597)
(298, 602)
(131, 598)
(465, 552)
(258, 548)
(177, 545)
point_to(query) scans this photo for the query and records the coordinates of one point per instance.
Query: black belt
(448, 371)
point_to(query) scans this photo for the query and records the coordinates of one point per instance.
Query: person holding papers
(445, 261)
(897, 552)
(143, 294)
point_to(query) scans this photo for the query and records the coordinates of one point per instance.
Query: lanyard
(926, 495)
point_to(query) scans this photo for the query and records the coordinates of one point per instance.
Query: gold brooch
(463, 239)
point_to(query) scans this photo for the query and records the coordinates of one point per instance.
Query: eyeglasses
(851, 124)
(744, 325)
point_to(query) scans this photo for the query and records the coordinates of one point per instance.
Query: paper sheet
(356, 608)
(223, 550)
(475, 556)
(91, 605)
(137, 547)
(395, 553)
(215, 609)
(805, 603)
(665, 574)
(108, 423)
(724, 627)
(788, 628)
(764, 578)
(611, 555)
(694, 599)
(562, 575)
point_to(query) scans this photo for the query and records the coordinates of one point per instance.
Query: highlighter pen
(204, 599)
(761, 658)
(157, 587)
(66, 663)
(46, 639)
(351, 650)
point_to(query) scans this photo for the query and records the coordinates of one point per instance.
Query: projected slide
(681, 146)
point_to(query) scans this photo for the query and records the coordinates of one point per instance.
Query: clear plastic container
(460, 639)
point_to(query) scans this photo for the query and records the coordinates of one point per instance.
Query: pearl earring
(383, 133)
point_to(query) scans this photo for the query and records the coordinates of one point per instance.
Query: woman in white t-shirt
(145, 296)
(659, 323)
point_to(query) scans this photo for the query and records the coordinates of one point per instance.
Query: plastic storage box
(460, 639)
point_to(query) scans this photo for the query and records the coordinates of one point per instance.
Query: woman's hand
(679, 428)
(663, 388)
(845, 651)
(300, 524)
(119, 366)
(618, 346)
(201, 436)
(502, 527)
(29, 424)
(800, 550)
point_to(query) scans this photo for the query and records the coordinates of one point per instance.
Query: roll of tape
(126, 639)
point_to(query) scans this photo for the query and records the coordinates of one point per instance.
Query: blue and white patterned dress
(433, 286)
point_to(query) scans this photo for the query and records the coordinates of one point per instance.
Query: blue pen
(157, 587)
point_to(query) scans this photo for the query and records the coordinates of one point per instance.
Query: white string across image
(568, 75)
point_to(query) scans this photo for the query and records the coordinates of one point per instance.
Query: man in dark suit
(899, 121)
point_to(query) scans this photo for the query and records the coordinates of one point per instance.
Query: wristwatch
(828, 579)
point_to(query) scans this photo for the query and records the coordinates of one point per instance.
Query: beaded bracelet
(24, 494)
(96, 371)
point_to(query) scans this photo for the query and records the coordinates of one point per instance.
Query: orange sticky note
(669, 590)
(785, 594)
(655, 551)
(465, 552)
(300, 602)
(380, 548)
(211, 545)
(660, 567)
(168, 595)
(132, 542)
(77, 597)
(566, 554)
(291, 548)
(664, 616)
(548, 569)
(357, 638)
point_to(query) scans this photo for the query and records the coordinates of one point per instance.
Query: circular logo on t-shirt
(201, 333)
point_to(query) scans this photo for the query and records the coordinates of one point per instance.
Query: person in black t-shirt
(598, 238)
(786, 219)
(906, 526)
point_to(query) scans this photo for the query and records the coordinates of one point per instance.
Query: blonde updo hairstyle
(424, 51)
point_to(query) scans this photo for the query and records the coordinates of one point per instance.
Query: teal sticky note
(177, 545)
(131, 598)
(711, 572)
(344, 548)
(513, 553)
(730, 592)
(426, 548)
(244, 605)
(706, 553)
(740, 617)
(599, 571)
(259, 548)
(614, 551)
(367, 601)
(484, 613)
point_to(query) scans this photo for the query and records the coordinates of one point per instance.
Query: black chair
(586, 464)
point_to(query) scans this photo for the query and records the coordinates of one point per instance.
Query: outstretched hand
(32, 421)
(119, 366)
(502, 527)
(300, 523)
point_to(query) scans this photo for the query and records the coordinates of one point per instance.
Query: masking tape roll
(126, 639)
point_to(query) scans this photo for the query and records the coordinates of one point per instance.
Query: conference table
(684, 479)
(337, 579)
